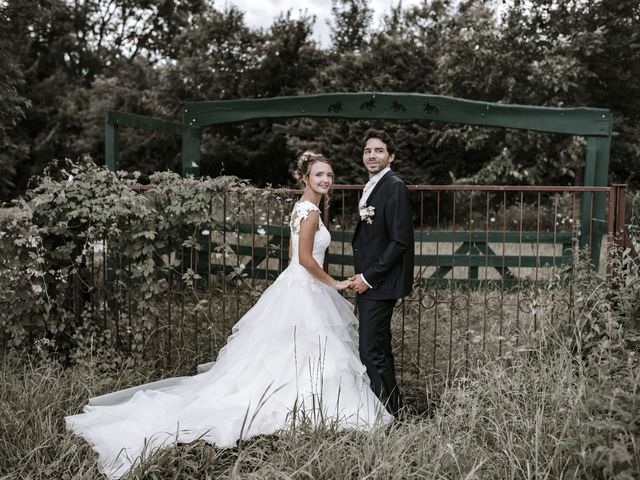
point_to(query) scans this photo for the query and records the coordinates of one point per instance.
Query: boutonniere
(367, 213)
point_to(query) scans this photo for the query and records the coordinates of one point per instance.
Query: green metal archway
(592, 123)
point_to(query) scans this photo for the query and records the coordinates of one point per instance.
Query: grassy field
(560, 407)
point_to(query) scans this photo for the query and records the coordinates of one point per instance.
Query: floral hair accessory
(367, 213)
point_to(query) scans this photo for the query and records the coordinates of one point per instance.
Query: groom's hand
(357, 284)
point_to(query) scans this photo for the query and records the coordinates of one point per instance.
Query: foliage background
(567, 404)
(64, 63)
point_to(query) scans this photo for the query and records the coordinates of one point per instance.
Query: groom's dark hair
(380, 135)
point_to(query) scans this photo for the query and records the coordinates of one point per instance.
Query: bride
(294, 354)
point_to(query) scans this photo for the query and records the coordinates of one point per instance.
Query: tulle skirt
(293, 354)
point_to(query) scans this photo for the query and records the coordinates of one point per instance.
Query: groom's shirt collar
(370, 185)
(379, 175)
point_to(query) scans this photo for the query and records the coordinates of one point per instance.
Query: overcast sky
(261, 13)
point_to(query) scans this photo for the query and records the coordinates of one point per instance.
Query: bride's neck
(309, 197)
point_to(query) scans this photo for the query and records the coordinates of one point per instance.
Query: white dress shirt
(370, 185)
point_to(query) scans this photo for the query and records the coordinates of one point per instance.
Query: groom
(383, 260)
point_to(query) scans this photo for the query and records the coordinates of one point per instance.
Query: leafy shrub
(88, 248)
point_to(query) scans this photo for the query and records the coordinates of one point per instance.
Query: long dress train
(294, 351)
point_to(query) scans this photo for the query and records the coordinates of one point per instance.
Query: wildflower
(98, 246)
(41, 342)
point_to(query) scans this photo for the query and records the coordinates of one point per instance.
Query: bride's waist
(296, 270)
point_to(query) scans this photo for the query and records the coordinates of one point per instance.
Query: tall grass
(557, 407)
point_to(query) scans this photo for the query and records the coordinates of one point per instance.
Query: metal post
(110, 144)
(191, 154)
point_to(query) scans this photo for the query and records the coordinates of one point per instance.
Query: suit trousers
(375, 350)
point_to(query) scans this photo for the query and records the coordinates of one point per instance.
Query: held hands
(358, 284)
(343, 285)
(354, 283)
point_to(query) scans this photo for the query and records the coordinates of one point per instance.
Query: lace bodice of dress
(322, 237)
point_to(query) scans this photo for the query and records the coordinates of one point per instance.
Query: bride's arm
(308, 229)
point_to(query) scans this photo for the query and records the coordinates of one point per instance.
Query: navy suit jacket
(383, 249)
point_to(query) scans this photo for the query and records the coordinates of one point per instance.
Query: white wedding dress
(294, 351)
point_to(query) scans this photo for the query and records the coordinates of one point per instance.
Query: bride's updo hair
(303, 167)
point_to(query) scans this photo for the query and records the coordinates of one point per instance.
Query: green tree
(61, 50)
(67, 62)
(351, 24)
(13, 107)
(289, 58)
(609, 48)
